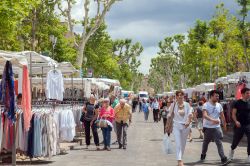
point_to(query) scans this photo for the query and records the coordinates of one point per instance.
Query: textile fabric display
(76, 94)
(47, 128)
(7, 91)
(87, 89)
(77, 112)
(238, 90)
(54, 86)
(26, 98)
(43, 134)
(66, 123)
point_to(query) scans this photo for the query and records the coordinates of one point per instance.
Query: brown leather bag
(169, 125)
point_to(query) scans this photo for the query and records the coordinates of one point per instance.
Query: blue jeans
(106, 132)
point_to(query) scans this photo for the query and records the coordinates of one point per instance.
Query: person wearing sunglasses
(212, 113)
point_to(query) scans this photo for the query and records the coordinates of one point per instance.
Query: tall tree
(244, 27)
(127, 54)
(11, 16)
(89, 27)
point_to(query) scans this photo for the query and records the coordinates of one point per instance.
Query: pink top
(109, 112)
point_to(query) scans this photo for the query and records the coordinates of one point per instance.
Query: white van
(143, 95)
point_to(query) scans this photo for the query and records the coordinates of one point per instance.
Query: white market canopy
(222, 80)
(39, 64)
(189, 91)
(233, 78)
(15, 59)
(77, 83)
(109, 81)
(205, 87)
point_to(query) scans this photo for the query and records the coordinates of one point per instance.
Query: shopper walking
(241, 118)
(164, 113)
(181, 115)
(212, 113)
(114, 101)
(155, 106)
(192, 111)
(107, 113)
(123, 118)
(90, 114)
(199, 119)
(145, 109)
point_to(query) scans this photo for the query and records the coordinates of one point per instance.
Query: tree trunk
(33, 31)
(80, 53)
(245, 51)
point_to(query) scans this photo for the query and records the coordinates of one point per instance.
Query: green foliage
(28, 24)
(213, 49)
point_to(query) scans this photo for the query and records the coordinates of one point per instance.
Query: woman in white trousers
(181, 121)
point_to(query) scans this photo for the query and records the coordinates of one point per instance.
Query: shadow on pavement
(40, 162)
(156, 140)
(212, 162)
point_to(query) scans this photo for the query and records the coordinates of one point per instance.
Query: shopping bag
(167, 145)
(102, 123)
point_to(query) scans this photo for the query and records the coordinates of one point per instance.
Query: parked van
(143, 95)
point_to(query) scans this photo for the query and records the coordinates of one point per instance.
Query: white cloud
(145, 58)
(150, 21)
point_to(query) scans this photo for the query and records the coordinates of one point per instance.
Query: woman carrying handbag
(178, 122)
(107, 113)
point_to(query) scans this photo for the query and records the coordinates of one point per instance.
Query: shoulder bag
(169, 125)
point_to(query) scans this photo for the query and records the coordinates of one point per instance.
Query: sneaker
(114, 143)
(225, 161)
(124, 147)
(108, 148)
(120, 146)
(203, 157)
(104, 148)
(97, 148)
(231, 154)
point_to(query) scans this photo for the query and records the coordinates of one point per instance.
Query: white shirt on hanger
(54, 86)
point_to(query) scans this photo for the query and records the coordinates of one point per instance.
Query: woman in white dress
(181, 124)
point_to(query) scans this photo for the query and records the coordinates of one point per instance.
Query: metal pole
(82, 88)
(72, 89)
(14, 146)
(31, 75)
(211, 68)
(42, 83)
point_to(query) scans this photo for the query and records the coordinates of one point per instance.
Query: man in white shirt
(212, 112)
(155, 106)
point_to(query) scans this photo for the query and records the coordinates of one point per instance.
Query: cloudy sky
(150, 21)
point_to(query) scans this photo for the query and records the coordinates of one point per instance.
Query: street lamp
(53, 40)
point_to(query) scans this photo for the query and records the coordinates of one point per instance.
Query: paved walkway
(145, 149)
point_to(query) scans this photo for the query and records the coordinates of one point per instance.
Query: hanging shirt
(54, 87)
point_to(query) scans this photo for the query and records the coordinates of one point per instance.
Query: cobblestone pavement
(145, 149)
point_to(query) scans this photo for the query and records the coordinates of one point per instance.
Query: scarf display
(7, 91)
(26, 99)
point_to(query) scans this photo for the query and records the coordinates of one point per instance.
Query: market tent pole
(82, 89)
(31, 75)
(14, 145)
(72, 82)
(42, 83)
